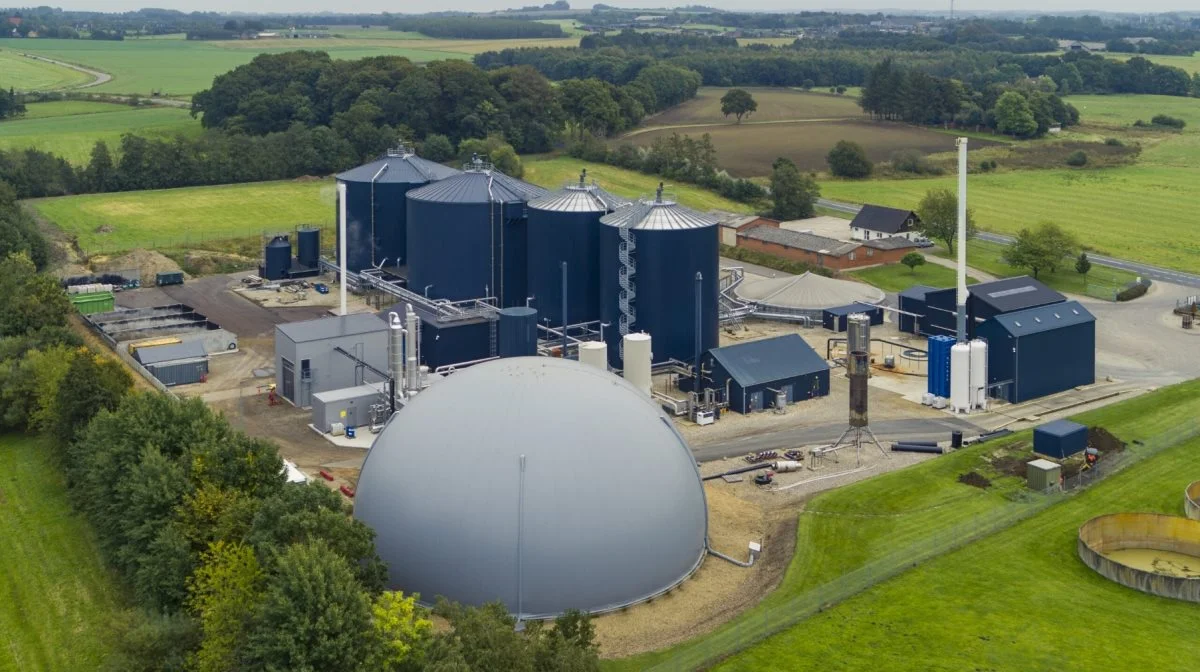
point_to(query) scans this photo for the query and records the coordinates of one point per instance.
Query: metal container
(565, 227)
(650, 253)
(168, 278)
(960, 378)
(979, 377)
(594, 353)
(858, 333)
(466, 236)
(638, 355)
(277, 258)
(376, 210)
(518, 332)
(308, 247)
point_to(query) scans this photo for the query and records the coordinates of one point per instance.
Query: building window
(870, 252)
(851, 256)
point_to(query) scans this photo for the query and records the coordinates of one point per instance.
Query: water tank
(537, 482)
(979, 359)
(466, 236)
(650, 253)
(308, 247)
(638, 355)
(595, 354)
(960, 378)
(518, 332)
(277, 258)
(376, 213)
(565, 226)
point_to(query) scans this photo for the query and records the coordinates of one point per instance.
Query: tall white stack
(979, 374)
(594, 353)
(960, 378)
(637, 361)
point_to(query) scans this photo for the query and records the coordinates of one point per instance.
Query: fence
(128, 359)
(757, 625)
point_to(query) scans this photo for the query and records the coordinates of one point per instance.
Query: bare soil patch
(148, 262)
(975, 479)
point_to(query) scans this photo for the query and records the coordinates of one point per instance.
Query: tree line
(475, 27)
(11, 105)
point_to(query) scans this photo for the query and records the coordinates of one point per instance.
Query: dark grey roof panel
(800, 241)
(660, 215)
(917, 291)
(478, 186)
(879, 218)
(769, 360)
(331, 327)
(170, 353)
(890, 243)
(1044, 318)
(402, 167)
(1011, 294)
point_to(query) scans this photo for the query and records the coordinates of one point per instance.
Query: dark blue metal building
(450, 341)
(834, 319)
(758, 372)
(277, 259)
(565, 226)
(912, 300)
(308, 247)
(466, 236)
(1060, 438)
(518, 332)
(985, 300)
(1040, 351)
(376, 213)
(650, 253)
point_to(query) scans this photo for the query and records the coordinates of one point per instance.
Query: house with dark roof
(822, 251)
(875, 222)
(770, 373)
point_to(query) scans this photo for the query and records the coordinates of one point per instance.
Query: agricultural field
(774, 104)
(1126, 109)
(1017, 592)
(552, 173)
(769, 41)
(1100, 282)
(190, 217)
(1189, 63)
(70, 128)
(27, 74)
(748, 150)
(898, 277)
(58, 599)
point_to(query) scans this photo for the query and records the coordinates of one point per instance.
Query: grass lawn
(1100, 282)
(1021, 599)
(888, 523)
(56, 598)
(1125, 109)
(189, 217)
(774, 104)
(70, 128)
(898, 277)
(27, 74)
(552, 173)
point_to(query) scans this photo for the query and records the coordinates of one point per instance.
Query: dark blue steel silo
(308, 247)
(518, 332)
(565, 226)
(466, 236)
(650, 253)
(376, 213)
(277, 258)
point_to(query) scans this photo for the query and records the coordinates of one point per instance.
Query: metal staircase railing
(627, 256)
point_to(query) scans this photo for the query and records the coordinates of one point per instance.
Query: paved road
(912, 429)
(1144, 270)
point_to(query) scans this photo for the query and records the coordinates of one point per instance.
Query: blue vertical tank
(650, 253)
(565, 226)
(308, 247)
(466, 236)
(518, 332)
(277, 258)
(376, 212)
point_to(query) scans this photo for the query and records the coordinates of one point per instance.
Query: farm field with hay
(70, 128)
(774, 104)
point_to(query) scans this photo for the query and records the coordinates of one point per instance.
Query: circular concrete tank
(1191, 501)
(545, 484)
(1150, 552)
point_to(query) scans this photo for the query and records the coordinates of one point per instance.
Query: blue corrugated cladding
(518, 332)
(454, 342)
(383, 239)
(573, 237)
(667, 263)
(277, 259)
(939, 365)
(467, 250)
(1042, 363)
(308, 247)
(1061, 438)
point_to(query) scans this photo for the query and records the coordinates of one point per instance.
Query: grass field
(188, 217)
(1189, 63)
(1101, 281)
(70, 128)
(774, 104)
(27, 74)
(552, 173)
(1030, 579)
(56, 598)
(898, 277)
(1124, 110)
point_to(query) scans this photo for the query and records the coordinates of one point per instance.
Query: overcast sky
(414, 6)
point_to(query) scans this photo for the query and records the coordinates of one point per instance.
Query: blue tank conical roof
(403, 166)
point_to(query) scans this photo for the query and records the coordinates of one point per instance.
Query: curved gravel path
(98, 77)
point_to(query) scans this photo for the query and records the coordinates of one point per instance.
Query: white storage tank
(594, 353)
(637, 359)
(979, 376)
(960, 378)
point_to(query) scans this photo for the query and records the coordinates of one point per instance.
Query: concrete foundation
(1105, 543)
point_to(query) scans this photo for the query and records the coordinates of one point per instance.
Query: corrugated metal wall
(179, 373)
(573, 237)
(1040, 364)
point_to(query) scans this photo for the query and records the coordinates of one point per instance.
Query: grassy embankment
(56, 598)
(984, 605)
(70, 128)
(27, 74)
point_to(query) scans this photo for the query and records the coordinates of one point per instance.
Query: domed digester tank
(308, 247)
(565, 226)
(650, 253)
(376, 212)
(277, 258)
(466, 236)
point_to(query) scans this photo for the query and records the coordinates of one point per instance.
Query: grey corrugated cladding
(612, 511)
(667, 215)
(169, 353)
(579, 198)
(476, 186)
(331, 327)
(404, 168)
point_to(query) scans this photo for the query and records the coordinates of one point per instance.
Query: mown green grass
(56, 598)
(1101, 281)
(27, 74)
(552, 173)
(898, 277)
(850, 528)
(71, 128)
(1125, 109)
(188, 217)
(1020, 599)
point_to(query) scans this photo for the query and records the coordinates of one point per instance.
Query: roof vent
(400, 150)
(1016, 323)
(658, 194)
(1037, 319)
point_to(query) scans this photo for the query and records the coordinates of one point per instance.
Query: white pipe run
(343, 249)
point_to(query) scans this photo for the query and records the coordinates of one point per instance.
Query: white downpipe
(345, 251)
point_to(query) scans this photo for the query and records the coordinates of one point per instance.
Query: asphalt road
(911, 429)
(1144, 270)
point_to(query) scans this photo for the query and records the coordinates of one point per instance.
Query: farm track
(98, 76)
(648, 129)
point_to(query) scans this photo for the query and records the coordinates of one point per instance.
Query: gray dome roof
(478, 185)
(403, 166)
(658, 213)
(579, 197)
(614, 510)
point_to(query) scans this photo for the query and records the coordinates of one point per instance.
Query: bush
(911, 161)
(849, 159)
(808, 84)
(437, 147)
(841, 90)
(1113, 142)
(1171, 122)
(1133, 290)
(1077, 159)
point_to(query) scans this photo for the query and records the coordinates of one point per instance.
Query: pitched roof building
(822, 251)
(877, 222)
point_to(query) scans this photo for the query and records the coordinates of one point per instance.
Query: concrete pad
(363, 438)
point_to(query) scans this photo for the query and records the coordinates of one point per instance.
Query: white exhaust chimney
(961, 332)
(343, 251)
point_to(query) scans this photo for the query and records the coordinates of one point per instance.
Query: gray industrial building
(307, 360)
(473, 498)
(175, 364)
(761, 374)
(350, 406)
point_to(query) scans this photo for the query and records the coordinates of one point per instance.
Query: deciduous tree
(792, 192)
(938, 212)
(849, 159)
(913, 260)
(739, 103)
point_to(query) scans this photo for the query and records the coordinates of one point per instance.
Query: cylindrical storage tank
(376, 212)
(541, 525)
(277, 258)
(650, 253)
(518, 332)
(565, 226)
(960, 378)
(979, 360)
(466, 236)
(637, 361)
(396, 350)
(308, 247)
(594, 353)
(860, 373)
(858, 333)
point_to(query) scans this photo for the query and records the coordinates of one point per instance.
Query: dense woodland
(475, 28)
